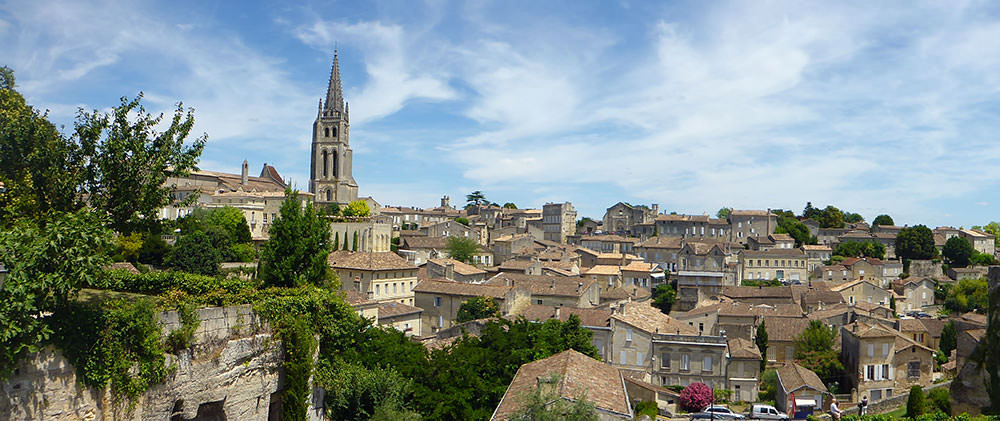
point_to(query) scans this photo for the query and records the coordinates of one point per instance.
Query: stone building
(787, 265)
(622, 217)
(440, 301)
(743, 370)
(383, 276)
(331, 171)
(744, 224)
(558, 221)
(692, 226)
(881, 362)
(368, 233)
(981, 241)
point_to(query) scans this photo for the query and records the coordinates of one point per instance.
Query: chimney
(557, 312)
(245, 173)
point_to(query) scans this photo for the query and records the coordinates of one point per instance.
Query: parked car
(765, 412)
(717, 412)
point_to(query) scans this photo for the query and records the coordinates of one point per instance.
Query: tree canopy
(664, 296)
(509, 205)
(958, 251)
(860, 249)
(853, 218)
(761, 340)
(831, 217)
(462, 249)
(814, 350)
(796, 229)
(356, 208)
(233, 221)
(477, 308)
(915, 243)
(297, 251)
(476, 198)
(882, 220)
(723, 213)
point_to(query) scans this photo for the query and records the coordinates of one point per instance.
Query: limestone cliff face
(232, 371)
(968, 390)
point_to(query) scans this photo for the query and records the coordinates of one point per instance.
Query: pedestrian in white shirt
(835, 410)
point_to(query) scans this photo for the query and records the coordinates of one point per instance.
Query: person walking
(835, 410)
(863, 406)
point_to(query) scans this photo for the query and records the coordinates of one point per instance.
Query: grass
(898, 413)
(88, 295)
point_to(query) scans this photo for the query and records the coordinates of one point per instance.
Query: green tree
(812, 213)
(336, 241)
(982, 259)
(129, 161)
(768, 385)
(357, 208)
(354, 242)
(723, 213)
(354, 392)
(462, 220)
(882, 220)
(853, 218)
(761, 340)
(958, 251)
(664, 296)
(331, 209)
(299, 246)
(544, 404)
(796, 229)
(476, 198)
(991, 349)
(915, 404)
(477, 308)
(195, 253)
(509, 205)
(233, 221)
(967, 295)
(345, 241)
(831, 217)
(860, 249)
(814, 350)
(949, 338)
(915, 243)
(128, 247)
(462, 249)
(41, 170)
(153, 250)
(940, 400)
(48, 260)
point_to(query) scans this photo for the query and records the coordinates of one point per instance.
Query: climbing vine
(181, 338)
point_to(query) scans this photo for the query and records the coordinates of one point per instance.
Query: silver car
(717, 412)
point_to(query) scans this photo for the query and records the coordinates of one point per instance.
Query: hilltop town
(234, 296)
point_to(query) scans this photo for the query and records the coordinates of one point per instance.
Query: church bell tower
(331, 176)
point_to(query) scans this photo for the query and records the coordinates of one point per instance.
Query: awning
(805, 402)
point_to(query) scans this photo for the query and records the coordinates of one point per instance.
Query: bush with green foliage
(768, 385)
(949, 338)
(915, 405)
(967, 295)
(649, 408)
(958, 252)
(153, 250)
(358, 208)
(939, 400)
(354, 392)
(462, 249)
(916, 243)
(477, 308)
(195, 253)
(860, 249)
(760, 339)
(814, 350)
(760, 282)
(883, 220)
(233, 221)
(664, 296)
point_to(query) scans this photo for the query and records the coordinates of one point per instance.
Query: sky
(873, 107)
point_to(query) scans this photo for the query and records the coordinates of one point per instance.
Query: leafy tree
(982, 259)
(949, 338)
(477, 308)
(299, 246)
(128, 247)
(892, 304)
(967, 295)
(476, 198)
(195, 253)
(354, 392)
(345, 241)
(723, 213)
(831, 217)
(882, 220)
(509, 205)
(41, 170)
(915, 404)
(233, 221)
(768, 385)
(915, 243)
(853, 218)
(547, 405)
(812, 213)
(860, 249)
(695, 397)
(129, 161)
(761, 341)
(940, 400)
(796, 229)
(462, 220)
(47, 261)
(958, 251)
(153, 250)
(814, 350)
(664, 296)
(357, 208)
(648, 408)
(331, 209)
(462, 249)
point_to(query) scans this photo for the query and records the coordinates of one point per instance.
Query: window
(437, 301)
(885, 350)
(378, 289)
(665, 361)
(701, 327)
(913, 369)
(871, 350)
(869, 372)
(440, 321)
(622, 358)
(638, 358)
(628, 335)
(886, 372)
(685, 362)
(707, 365)
(539, 302)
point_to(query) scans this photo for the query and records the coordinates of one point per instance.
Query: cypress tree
(336, 241)
(761, 341)
(354, 247)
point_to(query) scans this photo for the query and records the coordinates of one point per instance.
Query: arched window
(324, 164)
(329, 197)
(326, 132)
(334, 132)
(333, 157)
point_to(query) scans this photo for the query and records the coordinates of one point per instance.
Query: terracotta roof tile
(651, 319)
(384, 260)
(744, 349)
(392, 309)
(464, 289)
(544, 285)
(792, 377)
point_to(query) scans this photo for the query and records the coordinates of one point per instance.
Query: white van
(765, 412)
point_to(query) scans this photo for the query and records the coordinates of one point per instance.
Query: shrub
(647, 408)
(939, 400)
(915, 404)
(696, 397)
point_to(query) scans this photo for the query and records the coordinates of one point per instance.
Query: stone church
(331, 176)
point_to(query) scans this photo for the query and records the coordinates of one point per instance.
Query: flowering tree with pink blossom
(696, 397)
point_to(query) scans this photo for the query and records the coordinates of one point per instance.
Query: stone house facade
(621, 217)
(783, 264)
(863, 290)
(750, 223)
(440, 301)
(743, 370)
(558, 221)
(382, 276)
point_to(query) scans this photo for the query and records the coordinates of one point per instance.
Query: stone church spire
(334, 92)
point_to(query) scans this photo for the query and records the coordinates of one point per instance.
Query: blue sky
(873, 107)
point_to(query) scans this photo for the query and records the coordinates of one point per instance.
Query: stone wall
(889, 404)
(925, 269)
(231, 371)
